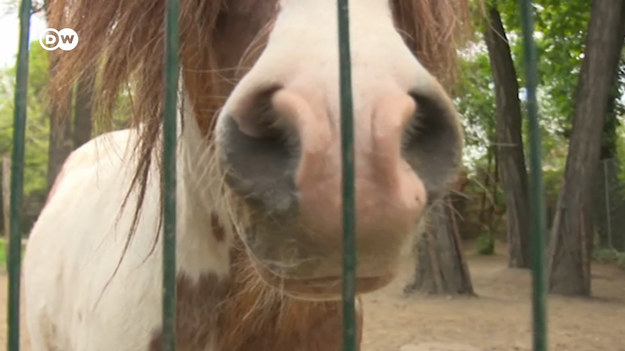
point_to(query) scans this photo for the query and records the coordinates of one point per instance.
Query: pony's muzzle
(282, 156)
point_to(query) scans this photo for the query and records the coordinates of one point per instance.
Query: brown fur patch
(244, 314)
(196, 312)
(257, 317)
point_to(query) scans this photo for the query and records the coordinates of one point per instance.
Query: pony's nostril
(260, 152)
(432, 141)
(258, 118)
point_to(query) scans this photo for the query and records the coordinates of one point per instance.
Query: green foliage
(3, 255)
(37, 127)
(604, 255)
(475, 98)
(561, 29)
(560, 36)
(485, 244)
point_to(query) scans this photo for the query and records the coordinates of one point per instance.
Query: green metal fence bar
(17, 178)
(349, 202)
(537, 204)
(169, 175)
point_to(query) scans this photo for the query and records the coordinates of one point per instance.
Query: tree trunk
(60, 130)
(509, 141)
(572, 232)
(60, 141)
(83, 108)
(441, 268)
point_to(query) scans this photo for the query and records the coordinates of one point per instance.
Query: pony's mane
(433, 30)
(121, 44)
(124, 39)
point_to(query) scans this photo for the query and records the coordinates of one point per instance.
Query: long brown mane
(123, 39)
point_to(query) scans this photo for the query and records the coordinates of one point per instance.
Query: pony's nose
(282, 156)
(390, 196)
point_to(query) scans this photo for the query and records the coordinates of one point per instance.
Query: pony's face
(279, 144)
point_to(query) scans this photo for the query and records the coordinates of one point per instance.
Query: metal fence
(17, 177)
(347, 134)
(609, 209)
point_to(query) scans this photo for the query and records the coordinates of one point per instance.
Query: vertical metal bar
(17, 178)
(349, 199)
(169, 175)
(537, 204)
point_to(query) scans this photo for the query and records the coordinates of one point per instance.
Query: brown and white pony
(259, 200)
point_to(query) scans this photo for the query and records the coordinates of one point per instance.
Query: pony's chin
(318, 289)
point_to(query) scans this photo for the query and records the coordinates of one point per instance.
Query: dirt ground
(497, 320)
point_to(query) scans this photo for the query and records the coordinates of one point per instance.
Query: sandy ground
(497, 320)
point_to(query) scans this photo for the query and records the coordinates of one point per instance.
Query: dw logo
(65, 39)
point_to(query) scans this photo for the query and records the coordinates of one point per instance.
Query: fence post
(17, 177)
(170, 110)
(606, 186)
(6, 195)
(537, 201)
(349, 202)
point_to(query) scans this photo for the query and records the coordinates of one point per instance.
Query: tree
(572, 231)
(37, 128)
(441, 267)
(83, 107)
(509, 141)
(60, 134)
